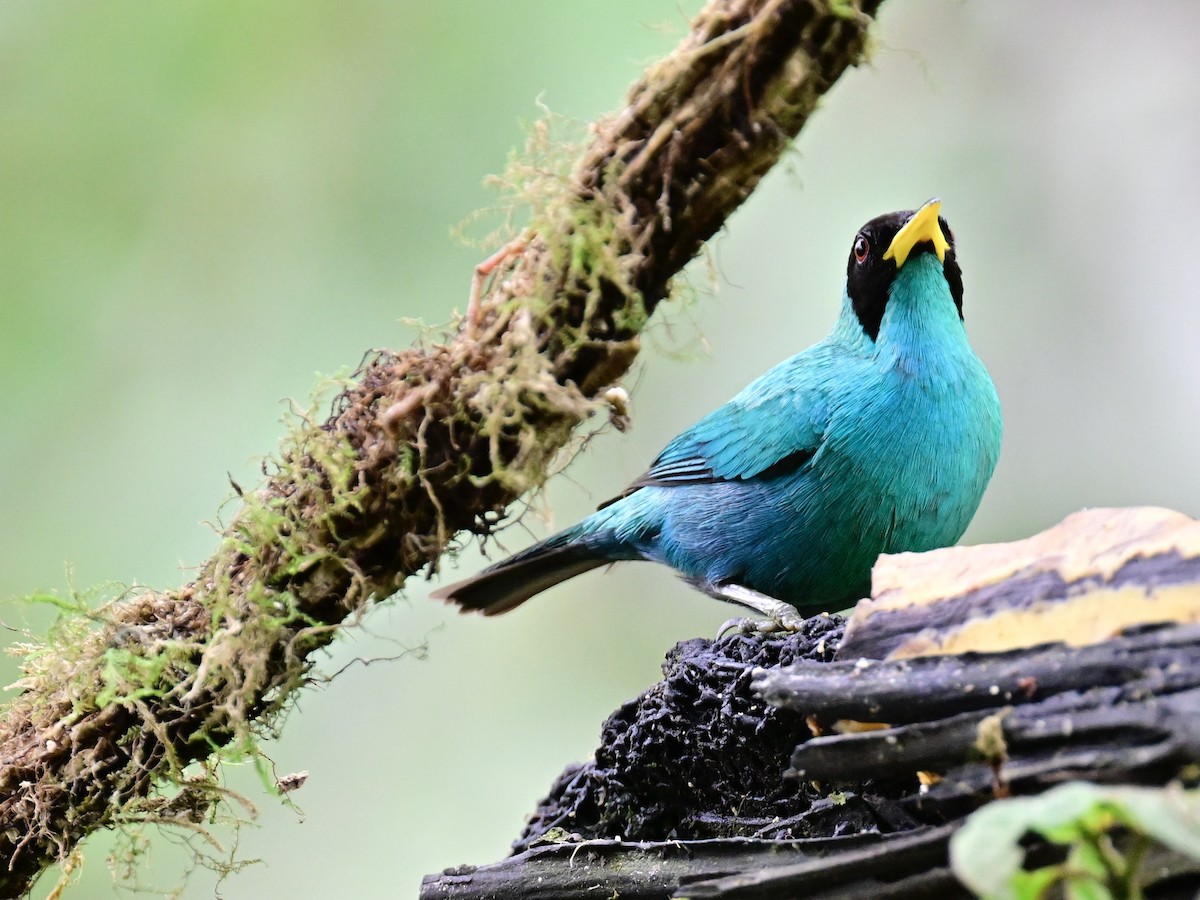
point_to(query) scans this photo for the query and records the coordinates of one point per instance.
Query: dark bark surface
(744, 798)
(699, 756)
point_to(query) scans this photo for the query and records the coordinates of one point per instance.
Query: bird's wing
(771, 427)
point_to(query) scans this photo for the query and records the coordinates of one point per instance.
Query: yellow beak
(923, 226)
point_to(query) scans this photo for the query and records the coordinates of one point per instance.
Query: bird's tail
(512, 581)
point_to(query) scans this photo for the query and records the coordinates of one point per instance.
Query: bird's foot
(780, 616)
(749, 625)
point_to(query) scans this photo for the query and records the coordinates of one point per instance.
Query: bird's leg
(780, 616)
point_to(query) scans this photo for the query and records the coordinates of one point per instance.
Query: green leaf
(984, 853)
(1170, 815)
(987, 857)
(1086, 889)
(1033, 885)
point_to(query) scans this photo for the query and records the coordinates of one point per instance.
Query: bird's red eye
(861, 248)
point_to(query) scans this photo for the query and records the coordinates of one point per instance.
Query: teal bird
(879, 439)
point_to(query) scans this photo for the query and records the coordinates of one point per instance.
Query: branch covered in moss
(425, 444)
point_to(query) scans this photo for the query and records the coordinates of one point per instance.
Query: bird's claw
(780, 616)
(738, 624)
(785, 620)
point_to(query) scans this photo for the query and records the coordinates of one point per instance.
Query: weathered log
(850, 778)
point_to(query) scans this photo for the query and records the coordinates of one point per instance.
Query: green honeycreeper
(879, 439)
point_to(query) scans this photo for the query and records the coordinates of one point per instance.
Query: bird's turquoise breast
(912, 455)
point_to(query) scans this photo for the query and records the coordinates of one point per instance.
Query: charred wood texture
(704, 773)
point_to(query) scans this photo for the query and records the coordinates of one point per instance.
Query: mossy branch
(424, 445)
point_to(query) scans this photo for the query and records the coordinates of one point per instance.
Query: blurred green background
(203, 205)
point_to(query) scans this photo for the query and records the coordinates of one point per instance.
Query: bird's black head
(876, 256)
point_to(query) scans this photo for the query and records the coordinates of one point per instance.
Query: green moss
(124, 650)
(582, 247)
(249, 652)
(129, 676)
